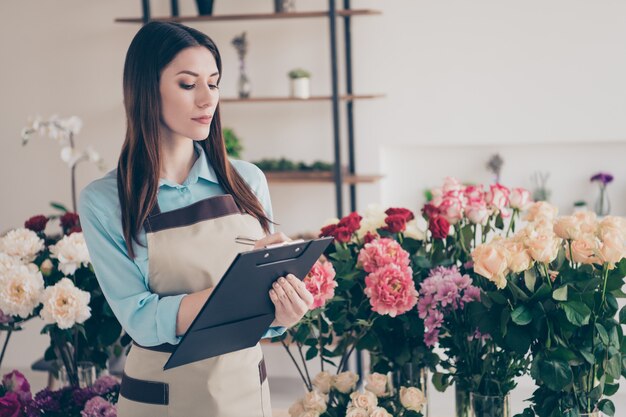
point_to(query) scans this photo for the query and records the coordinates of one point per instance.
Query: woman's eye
(187, 86)
(213, 87)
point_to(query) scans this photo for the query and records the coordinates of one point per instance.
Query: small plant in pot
(300, 87)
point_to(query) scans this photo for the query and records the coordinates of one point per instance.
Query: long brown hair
(151, 50)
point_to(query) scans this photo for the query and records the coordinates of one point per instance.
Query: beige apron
(189, 250)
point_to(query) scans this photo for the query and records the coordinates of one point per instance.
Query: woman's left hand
(291, 299)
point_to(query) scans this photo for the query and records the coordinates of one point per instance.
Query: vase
(86, 373)
(300, 88)
(462, 400)
(489, 406)
(243, 85)
(205, 7)
(411, 375)
(602, 206)
(282, 6)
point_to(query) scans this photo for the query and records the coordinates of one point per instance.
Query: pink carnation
(431, 337)
(382, 252)
(391, 290)
(98, 407)
(320, 282)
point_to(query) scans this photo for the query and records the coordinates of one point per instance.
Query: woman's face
(189, 93)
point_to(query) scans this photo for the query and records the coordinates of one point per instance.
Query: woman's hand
(291, 299)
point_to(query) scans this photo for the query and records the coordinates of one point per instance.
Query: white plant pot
(300, 88)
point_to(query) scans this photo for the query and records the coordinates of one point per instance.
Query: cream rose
(323, 382)
(380, 412)
(22, 243)
(357, 412)
(583, 251)
(413, 231)
(543, 246)
(518, 258)
(315, 401)
(365, 400)
(612, 248)
(21, 289)
(71, 251)
(65, 305)
(491, 262)
(412, 399)
(567, 227)
(377, 384)
(296, 409)
(612, 225)
(588, 222)
(345, 382)
(541, 210)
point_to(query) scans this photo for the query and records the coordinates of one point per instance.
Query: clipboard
(239, 310)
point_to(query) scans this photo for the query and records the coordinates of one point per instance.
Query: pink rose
(451, 209)
(474, 193)
(382, 252)
(320, 282)
(477, 212)
(16, 382)
(498, 198)
(391, 290)
(519, 198)
(10, 405)
(452, 185)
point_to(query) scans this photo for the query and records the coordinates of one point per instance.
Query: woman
(161, 231)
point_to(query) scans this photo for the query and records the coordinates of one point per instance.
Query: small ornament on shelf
(494, 165)
(300, 85)
(541, 191)
(282, 6)
(241, 45)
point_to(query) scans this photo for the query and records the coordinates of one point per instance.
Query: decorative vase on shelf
(489, 406)
(282, 6)
(462, 400)
(243, 85)
(411, 375)
(300, 88)
(602, 207)
(205, 7)
(86, 373)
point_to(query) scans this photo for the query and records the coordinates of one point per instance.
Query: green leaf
(530, 279)
(577, 312)
(58, 206)
(555, 374)
(614, 366)
(611, 389)
(607, 407)
(311, 353)
(521, 315)
(604, 336)
(622, 315)
(560, 294)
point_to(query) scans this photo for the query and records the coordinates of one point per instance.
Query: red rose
(396, 223)
(69, 220)
(439, 227)
(351, 221)
(369, 237)
(75, 229)
(430, 210)
(10, 405)
(328, 230)
(406, 213)
(342, 234)
(36, 223)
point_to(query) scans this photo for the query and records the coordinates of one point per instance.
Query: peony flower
(378, 384)
(20, 290)
(22, 243)
(71, 251)
(65, 305)
(98, 407)
(541, 211)
(491, 262)
(320, 282)
(16, 382)
(366, 400)
(314, 401)
(382, 252)
(345, 381)
(391, 290)
(7, 263)
(323, 381)
(519, 199)
(412, 399)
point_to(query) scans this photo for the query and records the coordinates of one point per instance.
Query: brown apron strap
(150, 392)
(165, 347)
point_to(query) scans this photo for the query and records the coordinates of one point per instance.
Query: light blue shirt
(147, 317)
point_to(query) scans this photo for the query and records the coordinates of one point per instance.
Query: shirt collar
(200, 169)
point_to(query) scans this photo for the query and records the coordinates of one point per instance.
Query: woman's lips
(203, 120)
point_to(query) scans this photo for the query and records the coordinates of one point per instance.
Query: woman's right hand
(272, 239)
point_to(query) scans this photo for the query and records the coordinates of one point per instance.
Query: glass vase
(462, 400)
(243, 85)
(602, 206)
(411, 375)
(489, 406)
(86, 373)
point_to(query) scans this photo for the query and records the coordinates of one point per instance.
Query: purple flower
(99, 407)
(447, 294)
(47, 400)
(105, 384)
(425, 304)
(10, 405)
(431, 338)
(81, 395)
(434, 320)
(4, 319)
(602, 177)
(17, 383)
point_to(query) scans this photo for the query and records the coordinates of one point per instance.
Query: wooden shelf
(252, 16)
(293, 99)
(317, 177)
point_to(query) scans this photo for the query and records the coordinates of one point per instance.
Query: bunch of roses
(443, 292)
(320, 282)
(343, 230)
(454, 202)
(389, 284)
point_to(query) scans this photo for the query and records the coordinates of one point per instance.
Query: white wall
(542, 82)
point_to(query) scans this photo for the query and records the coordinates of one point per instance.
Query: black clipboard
(239, 309)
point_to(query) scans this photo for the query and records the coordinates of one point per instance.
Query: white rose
(20, 290)
(477, 212)
(567, 227)
(412, 399)
(373, 219)
(345, 381)
(323, 382)
(367, 400)
(377, 383)
(612, 224)
(71, 251)
(22, 243)
(413, 231)
(315, 401)
(357, 412)
(296, 409)
(380, 412)
(65, 305)
(612, 248)
(519, 198)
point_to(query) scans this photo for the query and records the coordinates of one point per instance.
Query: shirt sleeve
(148, 318)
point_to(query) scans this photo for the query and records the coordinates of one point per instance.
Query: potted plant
(299, 86)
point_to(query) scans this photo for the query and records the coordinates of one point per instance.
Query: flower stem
(4, 346)
(296, 364)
